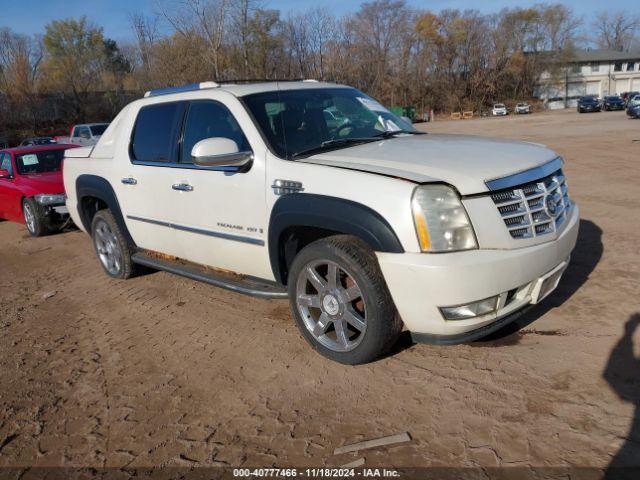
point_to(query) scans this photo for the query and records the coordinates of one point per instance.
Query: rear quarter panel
(73, 168)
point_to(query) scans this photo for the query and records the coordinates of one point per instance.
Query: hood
(42, 183)
(465, 162)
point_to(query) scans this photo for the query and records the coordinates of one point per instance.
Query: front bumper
(420, 283)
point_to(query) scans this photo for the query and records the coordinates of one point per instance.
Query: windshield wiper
(393, 133)
(329, 144)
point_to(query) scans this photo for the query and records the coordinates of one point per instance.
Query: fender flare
(99, 187)
(329, 213)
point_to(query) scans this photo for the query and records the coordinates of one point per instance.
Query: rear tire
(35, 218)
(340, 301)
(111, 246)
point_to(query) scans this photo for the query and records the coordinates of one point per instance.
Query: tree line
(447, 60)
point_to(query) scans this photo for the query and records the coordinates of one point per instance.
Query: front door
(205, 215)
(8, 194)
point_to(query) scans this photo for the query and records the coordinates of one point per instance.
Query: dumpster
(409, 112)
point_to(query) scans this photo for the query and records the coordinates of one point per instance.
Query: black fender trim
(328, 213)
(99, 187)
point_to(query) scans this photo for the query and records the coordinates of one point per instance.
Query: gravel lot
(164, 371)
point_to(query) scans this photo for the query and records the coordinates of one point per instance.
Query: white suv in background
(316, 192)
(85, 134)
(499, 110)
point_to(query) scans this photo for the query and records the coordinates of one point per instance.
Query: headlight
(46, 199)
(441, 222)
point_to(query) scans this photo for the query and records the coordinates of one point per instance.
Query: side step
(237, 283)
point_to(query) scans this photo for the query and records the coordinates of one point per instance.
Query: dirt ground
(164, 371)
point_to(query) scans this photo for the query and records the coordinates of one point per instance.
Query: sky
(30, 16)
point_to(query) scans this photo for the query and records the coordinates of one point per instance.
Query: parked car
(588, 103)
(31, 187)
(613, 102)
(522, 108)
(366, 226)
(38, 141)
(499, 109)
(634, 110)
(633, 101)
(84, 134)
(626, 96)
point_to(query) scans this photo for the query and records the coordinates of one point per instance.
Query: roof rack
(181, 88)
(204, 85)
(262, 80)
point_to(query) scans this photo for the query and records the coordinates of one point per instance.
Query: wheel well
(89, 206)
(292, 240)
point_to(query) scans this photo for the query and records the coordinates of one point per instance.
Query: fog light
(470, 310)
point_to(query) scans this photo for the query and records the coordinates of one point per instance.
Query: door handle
(129, 181)
(183, 187)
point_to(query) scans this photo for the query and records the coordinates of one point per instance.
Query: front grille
(528, 209)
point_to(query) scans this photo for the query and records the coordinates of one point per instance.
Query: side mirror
(219, 152)
(4, 173)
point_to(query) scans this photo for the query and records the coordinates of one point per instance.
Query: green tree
(76, 56)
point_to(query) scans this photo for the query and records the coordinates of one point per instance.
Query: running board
(241, 284)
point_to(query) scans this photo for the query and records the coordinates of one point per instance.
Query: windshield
(97, 130)
(588, 99)
(300, 121)
(39, 162)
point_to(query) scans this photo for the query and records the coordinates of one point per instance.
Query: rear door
(144, 187)
(212, 216)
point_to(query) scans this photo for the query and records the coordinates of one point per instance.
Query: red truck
(31, 187)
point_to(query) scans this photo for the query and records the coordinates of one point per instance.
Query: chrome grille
(525, 208)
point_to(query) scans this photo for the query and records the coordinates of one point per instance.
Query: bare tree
(206, 18)
(616, 31)
(20, 65)
(307, 36)
(145, 30)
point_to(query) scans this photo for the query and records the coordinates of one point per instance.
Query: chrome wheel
(29, 217)
(107, 247)
(331, 305)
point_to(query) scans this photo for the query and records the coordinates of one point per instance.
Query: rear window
(98, 129)
(155, 135)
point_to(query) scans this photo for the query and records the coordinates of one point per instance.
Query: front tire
(340, 301)
(35, 218)
(111, 246)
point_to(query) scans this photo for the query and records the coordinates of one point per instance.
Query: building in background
(590, 72)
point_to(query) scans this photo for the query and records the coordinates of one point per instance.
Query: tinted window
(208, 120)
(39, 162)
(156, 132)
(98, 129)
(81, 131)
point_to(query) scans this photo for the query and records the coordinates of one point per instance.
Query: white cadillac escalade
(316, 192)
